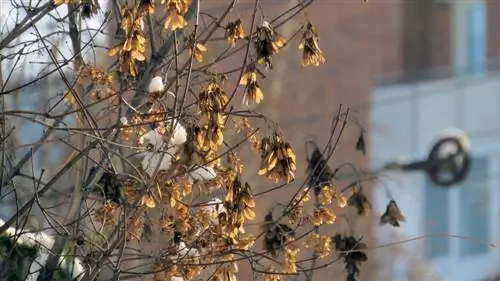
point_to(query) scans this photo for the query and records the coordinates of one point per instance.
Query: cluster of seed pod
(278, 161)
(320, 174)
(197, 49)
(95, 75)
(239, 206)
(267, 44)
(246, 203)
(360, 202)
(277, 235)
(350, 250)
(211, 103)
(320, 243)
(392, 215)
(253, 93)
(296, 208)
(323, 215)
(311, 53)
(234, 31)
(132, 50)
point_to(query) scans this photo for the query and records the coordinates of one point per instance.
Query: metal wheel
(450, 160)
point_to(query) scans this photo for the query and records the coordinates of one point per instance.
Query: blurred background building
(449, 56)
(407, 70)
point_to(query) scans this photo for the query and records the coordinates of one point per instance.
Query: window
(470, 37)
(437, 219)
(474, 209)
(464, 211)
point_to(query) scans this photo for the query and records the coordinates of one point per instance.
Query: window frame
(461, 55)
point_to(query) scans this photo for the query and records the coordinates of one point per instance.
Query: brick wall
(428, 39)
(493, 33)
(360, 42)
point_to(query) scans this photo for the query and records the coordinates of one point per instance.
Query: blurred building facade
(450, 57)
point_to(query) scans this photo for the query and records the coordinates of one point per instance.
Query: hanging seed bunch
(319, 173)
(323, 215)
(349, 248)
(341, 199)
(92, 73)
(176, 9)
(361, 144)
(326, 194)
(197, 48)
(253, 93)
(392, 215)
(289, 264)
(211, 103)
(267, 44)
(311, 53)
(359, 201)
(234, 32)
(321, 244)
(278, 162)
(102, 82)
(276, 235)
(235, 164)
(241, 196)
(240, 205)
(132, 50)
(296, 210)
(246, 203)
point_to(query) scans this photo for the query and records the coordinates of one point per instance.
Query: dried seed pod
(267, 44)
(276, 235)
(392, 215)
(360, 144)
(349, 248)
(277, 159)
(359, 201)
(234, 31)
(311, 53)
(318, 170)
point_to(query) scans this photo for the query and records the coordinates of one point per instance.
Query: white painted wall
(405, 120)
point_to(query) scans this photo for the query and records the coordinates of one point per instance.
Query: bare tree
(149, 130)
